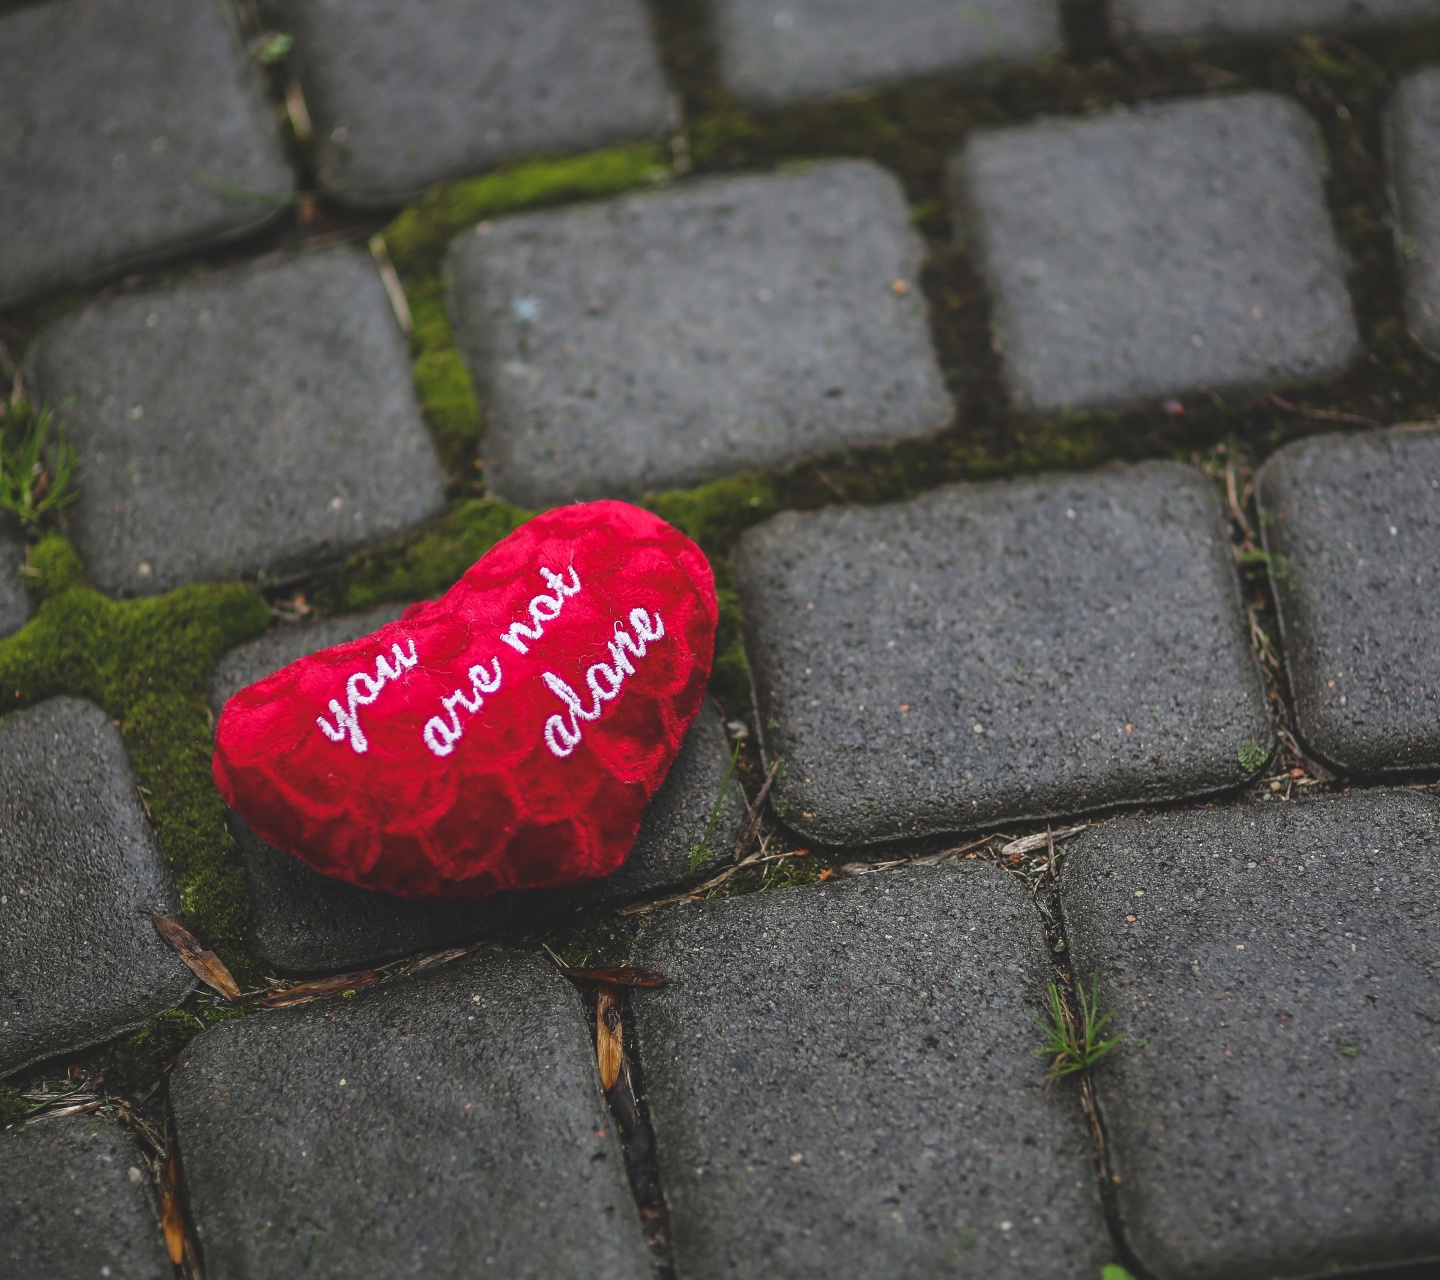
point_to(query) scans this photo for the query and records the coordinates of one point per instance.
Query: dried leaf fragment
(609, 1035)
(302, 992)
(172, 1217)
(1029, 844)
(621, 976)
(205, 965)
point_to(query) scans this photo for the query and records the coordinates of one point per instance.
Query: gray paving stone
(1352, 524)
(843, 1083)
(77, 1203)
(1280, 964)
(1162, 20)
(1156, 252)
(1413, 155)
(306, 922)
(255, 422)
(401, 102)
(663, 339)
(130, 130)
(79, 962)
(987, 653)
(14, 601)
(449, 1124)
(774, 55)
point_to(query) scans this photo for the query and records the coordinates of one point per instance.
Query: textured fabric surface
(506, 736)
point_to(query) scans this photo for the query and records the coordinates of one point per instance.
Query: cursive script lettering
(604, 680)
(360, 691)
(542, 609)
(442, 735)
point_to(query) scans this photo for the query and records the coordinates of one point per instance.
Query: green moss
(418, 239)
(423, 564)
(148, 662)
(13, 1107)
(133, 1064)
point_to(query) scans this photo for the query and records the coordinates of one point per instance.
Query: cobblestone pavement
(1054, 388)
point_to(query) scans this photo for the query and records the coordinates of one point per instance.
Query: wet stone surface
(1178, 19)
(307, 922)
(1280, 964)
(77, 1203)
(79, 867)
(446, 1124)
(993, 652)
(1352, 525)
(664, 339)
(129, 130)
(1161, 251)
(842, 1082)
(1413, 152)
(811, 49)
(401, 103)
(256, 421)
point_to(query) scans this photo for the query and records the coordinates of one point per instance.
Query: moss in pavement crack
(148, 662)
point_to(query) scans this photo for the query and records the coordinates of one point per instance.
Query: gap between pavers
(1000, 652)
(446, 1124)
(1351, 526)
(1169, 249)
(843, 1082)
(134, 130)
(14, 599)
(79, 870)
(662, 339)
(1164, 21)
(1273, 968)
(78, 1203)
(1412, 156)
(815, 49)
(306, 922)
(403, 99)
(257, 421)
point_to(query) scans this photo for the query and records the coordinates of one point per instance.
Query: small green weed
(1347, 1046)
(34, 474)
(1251, 756)
(1115, 1273)
(700, 851)
(1074, 1044)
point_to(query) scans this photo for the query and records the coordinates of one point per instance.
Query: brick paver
(1176, 19)
(1413, 147)
(1352, 525)
(843, 1083)
(307, 922)
(441, 1125)
(987, 653)
(258, 421)
(772, 55)
(132, 130)
(1273, 968)
(77, 1203)
(1170, 249)
(662, 339)
(14, 601)
(401, 102)
(79, 866)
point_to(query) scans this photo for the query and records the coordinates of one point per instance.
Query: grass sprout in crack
(34, 474)
(1073, 1044)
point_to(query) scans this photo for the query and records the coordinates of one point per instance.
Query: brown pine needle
(303, 992)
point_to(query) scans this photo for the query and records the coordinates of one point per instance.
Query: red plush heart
(505, 736)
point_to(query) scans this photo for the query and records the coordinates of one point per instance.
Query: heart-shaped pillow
(506, 736)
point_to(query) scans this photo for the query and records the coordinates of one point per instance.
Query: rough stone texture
(1164, 20)
(405, 98)
(79, 866)
(1157, 252)
(306, 922)
(1352, 524)
(1413, 155)
(258, 421)
(773, 55)
(994, 652)
(14, 601)
(663, 339)
(449, 1124)
(843, 1083)
(1281, 968)
(77, 1203)
(129, 130)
